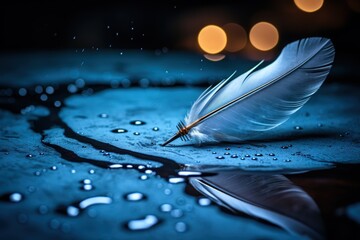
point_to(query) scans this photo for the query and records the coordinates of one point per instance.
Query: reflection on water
(273, 198)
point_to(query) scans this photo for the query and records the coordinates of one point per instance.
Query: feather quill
(259, 100)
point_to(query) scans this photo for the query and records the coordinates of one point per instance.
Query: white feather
(264, 98)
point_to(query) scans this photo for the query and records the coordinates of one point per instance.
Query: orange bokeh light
(309, 5)
(236, 37)
(264, 36)
(212, 39)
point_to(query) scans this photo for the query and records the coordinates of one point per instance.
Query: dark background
(173, 24)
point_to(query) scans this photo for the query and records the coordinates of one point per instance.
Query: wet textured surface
(81, 157)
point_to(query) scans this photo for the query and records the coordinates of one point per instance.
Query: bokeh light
(212, 39)
(309, 5)
(236, 37)
(264, 36)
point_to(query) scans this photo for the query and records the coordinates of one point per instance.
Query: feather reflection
(271, 197)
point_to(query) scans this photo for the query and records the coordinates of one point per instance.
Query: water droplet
(43, 209)
(284, 147)
(275, 159)
(37, 173)
(220, 157)
(180, 227)
(234, 156)
(287, 160)
(271, 154)
(166, 207)
(298, 128)
(214, 152)
(143, 177)
(91, 171)
(247, 155)
(57, 104)
(103, 115)
(29, 155)
(43, 97)
(73, 171)
(53, 168)
(155, 129)
(15, 197)
(137, 122)
(72, 88)
(22, 218)
(119, 130)
(39, 89)
(134, 196)
(72, 211)
(49, 90)
(142, 224)
(204, 201)
(86, 181)
(94, 200)
(227, 148)
(176, 180)
(167, 191)
(148, 171)
(227, 153)
(254, 158)
(177, 213)
(136, 133)
(22, 92)
(54, 224)
(129, 166)
(115, 165)
(258, 154)
(242, 158)
(87, 187)
(140, 167)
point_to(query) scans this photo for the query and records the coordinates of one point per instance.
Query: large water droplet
(134, 196)
(119, 130)
(137, 122)
(258, 154)
(220, 157)
(142, 224)
(94, 200)
(72, 211)
(136, 133)
(15, 197)
(234, 156)
(155, 129)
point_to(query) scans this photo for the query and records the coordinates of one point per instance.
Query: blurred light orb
(236, 37)
(212, 39)
(309, 5)
(264, 36)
